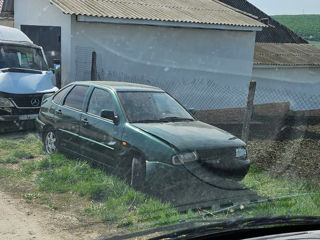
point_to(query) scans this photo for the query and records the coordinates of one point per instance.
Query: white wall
(298, 85)
(42, 13)
(203, 69)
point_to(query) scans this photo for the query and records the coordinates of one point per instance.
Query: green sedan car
(137, 131)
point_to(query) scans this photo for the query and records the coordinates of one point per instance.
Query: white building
(199, 51)
(287, 72)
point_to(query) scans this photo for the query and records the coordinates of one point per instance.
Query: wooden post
(248, 112)
(94, 67)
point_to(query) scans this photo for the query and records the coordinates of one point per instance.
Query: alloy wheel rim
(50, 142)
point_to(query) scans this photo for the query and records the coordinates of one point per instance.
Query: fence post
(94, 67)
(248, 111)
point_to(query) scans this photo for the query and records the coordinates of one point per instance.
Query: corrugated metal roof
(286, 54)
(186, 11)
(276, 33)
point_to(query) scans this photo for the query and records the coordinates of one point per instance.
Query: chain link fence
(208, 94)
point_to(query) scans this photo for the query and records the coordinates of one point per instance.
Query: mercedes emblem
(35, 102)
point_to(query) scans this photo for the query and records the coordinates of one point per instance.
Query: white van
(24, 76)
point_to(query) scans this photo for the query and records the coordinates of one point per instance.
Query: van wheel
(138, 172)
(50, 141)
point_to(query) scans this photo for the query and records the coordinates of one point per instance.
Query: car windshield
(152, 107)
(15, 56)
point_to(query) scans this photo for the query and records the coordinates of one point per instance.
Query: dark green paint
(101, 140)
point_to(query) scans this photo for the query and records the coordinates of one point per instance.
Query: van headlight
(182, 158)
(5, 103)
(241, 153)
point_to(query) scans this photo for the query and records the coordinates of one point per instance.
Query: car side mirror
(110, 115)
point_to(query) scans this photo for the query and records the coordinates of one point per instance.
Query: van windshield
(14, 56)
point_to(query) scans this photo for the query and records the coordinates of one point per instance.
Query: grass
(56, 180)
(315, 43)
(114, 200)
(5, 172)
(286, 195)
(307, 26)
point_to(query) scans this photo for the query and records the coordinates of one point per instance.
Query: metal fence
(208, 94)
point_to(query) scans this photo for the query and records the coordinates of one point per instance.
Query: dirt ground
(18, 221)
(295, 152)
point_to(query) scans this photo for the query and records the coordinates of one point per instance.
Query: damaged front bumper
(17, 121)
(11, 118)
(198, 169)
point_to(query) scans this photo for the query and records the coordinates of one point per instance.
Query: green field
(315, 43)
(307, 26)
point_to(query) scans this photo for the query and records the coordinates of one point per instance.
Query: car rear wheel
(138, 171)
(50, 141)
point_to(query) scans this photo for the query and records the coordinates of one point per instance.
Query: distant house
(286, 67)
(288, 72)
(199, 51)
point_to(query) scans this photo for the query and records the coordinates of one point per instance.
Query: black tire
(138, 172)
(50, 141)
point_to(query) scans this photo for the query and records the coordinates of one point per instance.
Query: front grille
(27, 100)
(221, 153)
(16, 111)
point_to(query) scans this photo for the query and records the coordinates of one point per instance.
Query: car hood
(26, 83)
(189, 136)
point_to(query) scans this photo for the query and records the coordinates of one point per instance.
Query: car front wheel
(138, 171)
(50, 141)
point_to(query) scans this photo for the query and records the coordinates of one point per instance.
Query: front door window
(100, 100)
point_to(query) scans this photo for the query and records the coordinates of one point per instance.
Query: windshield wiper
(175, 119)
(146, 121)
(21, 70)
(222, 227)
(244, 224)
(166, 119)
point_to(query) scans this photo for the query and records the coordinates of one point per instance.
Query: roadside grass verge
(54, 180)
(50, 179)
(281, 195)
(5, 172)
(287, 172)
(112, 200)
(13, 151)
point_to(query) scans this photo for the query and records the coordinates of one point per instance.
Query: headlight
(5, 102)
(241, 153)
(184, 158)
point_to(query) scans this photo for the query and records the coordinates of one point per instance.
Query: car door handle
(59, 112)
(84, 121)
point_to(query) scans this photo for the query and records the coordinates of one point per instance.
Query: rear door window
(75, 98)
(60, 95)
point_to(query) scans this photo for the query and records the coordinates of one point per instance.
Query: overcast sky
(289, 7)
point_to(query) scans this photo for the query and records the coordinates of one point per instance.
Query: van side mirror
(110, 115)
(56, 65)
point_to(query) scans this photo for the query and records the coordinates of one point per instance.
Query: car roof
(122, 86)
